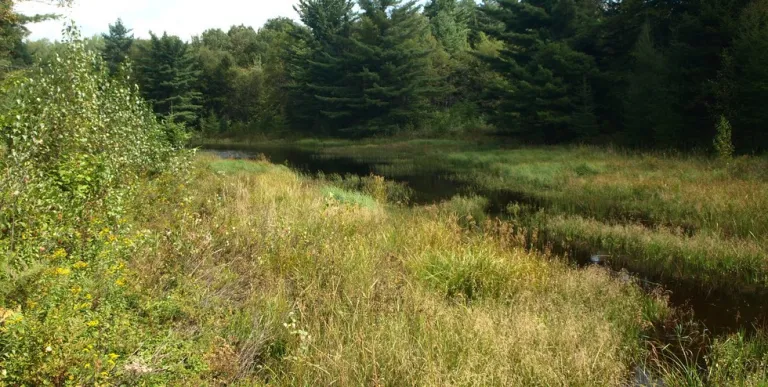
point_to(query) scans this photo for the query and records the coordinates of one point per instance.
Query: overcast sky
(184, 18)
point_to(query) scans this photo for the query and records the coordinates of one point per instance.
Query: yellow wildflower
(80, 265)
(113, 356)
(62, 271)
(59, 254)
(10, 316)
(93, 323)
(76, 289)
(120, 282)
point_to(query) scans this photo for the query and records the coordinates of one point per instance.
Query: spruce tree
(650, 116)
(317, 65)
(449, 20)
(390, 78)
(117, 45)
(546, 96)
(170, 79)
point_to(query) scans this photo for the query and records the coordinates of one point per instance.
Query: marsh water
(718, 311)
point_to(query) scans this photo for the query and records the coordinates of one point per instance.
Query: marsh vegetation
(439, 238)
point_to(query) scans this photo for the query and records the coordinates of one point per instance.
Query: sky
(184, 18)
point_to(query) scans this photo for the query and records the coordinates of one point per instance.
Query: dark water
(718, 311)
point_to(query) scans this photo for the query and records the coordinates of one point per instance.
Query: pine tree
(449, 20)
(748, 79)
(389, 81)
(650, 116)
(317, 65)
(546, 96)
(170, 79)
(117, 45)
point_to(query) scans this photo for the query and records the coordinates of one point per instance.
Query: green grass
(245, 272)
(237, 166)
(670, 215)
(341, 195)
(265, 277)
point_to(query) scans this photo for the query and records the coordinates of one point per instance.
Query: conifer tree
(449, 20)
(390, 65)
(170, 79)
(117, 45)
(650, 116)
(547, 93)
(317, 66)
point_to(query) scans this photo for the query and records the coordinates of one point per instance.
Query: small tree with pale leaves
(723, 139)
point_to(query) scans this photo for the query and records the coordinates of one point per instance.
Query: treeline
(659, 73)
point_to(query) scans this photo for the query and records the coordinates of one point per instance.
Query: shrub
(723, 139)
(76, 143)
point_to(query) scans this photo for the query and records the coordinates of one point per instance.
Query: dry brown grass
(298, 288)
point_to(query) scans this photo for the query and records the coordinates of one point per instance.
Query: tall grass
(671, 215)
(269, 280)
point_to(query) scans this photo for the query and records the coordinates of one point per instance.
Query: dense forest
(651, 74)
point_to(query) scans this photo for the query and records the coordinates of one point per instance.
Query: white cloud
(184, 18)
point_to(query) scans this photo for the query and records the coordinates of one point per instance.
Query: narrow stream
(721, 311)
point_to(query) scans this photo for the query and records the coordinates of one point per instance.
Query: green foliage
(117, 45)
(723, 140)
(243, 75)
(649, 105)
(547, 96)
(369, 77)
(169, 80)
(450, 24)
(14, 53)
(75, 143)
(745, 79)
(316, 67)
(542, 71)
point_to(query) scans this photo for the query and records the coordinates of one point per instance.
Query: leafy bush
(76, 143)
(723, 139)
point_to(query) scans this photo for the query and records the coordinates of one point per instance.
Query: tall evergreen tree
(651, 118)
(450, 24)
(117, 45)
(746, 79)
(170, 79)
(391, 79)
(547, 93)
(373, 76)
(316, 66)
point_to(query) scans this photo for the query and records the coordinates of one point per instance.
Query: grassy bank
(247, 272)
(677, 217)
(297, 282)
